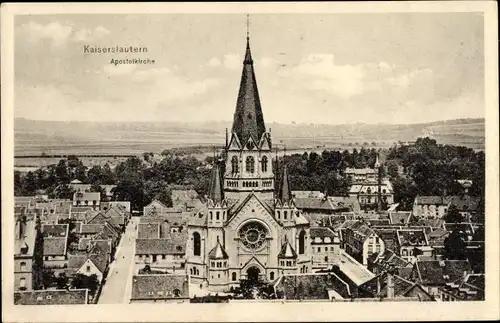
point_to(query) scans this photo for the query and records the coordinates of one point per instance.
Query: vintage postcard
(250, 162)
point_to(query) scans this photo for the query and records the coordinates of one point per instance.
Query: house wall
(55, 261)
(373, 244)
(162, 260)
(325, 252)
(89, 269)
(430, 211)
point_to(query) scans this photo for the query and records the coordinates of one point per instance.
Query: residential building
(325, 245)
(25, 265)
(431, 207)
(87, 199)
(360, 241)
(412, 244)
(367, 194)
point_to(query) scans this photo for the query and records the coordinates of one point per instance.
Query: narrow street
(117, 288)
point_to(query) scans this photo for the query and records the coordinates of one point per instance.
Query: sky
(310, 68)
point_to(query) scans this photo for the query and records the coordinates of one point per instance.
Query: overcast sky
(331, 69)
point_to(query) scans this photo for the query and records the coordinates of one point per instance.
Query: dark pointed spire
(248, 118)
(215, 192)
(285, 195)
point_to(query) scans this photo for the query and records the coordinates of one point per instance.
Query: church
(249, 227)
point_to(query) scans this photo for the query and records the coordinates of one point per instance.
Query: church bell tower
(249, 151)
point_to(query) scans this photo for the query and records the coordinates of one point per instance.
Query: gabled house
(87, 199)
(325, 244)
(361, 242)
(431, 207)
(413, 243)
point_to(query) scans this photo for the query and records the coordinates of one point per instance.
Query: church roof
(285, 194)
(218, 252)
(248, 118)
(287, 251)
(215, 191)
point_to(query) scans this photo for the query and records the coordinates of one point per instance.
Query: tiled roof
(313, 204)
(159, 286)
(218, 252)
(287, 251)
(433, 200)
(312, 286)
(52, 297)
(158, 247)
(148, 231)
(91, 228)
(401, 287)
(433, 223)
(408, 237)
(321, 232)
(103, 245)
(466, 203)
(54, 246)
(76, 261)
(389, 237)
(438, 272)
(87, 196)
(100, 261)
(55, 230)
(399, 218)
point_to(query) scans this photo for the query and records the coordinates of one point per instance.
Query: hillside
(33, 137)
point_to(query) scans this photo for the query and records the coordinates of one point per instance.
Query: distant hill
(35, 137)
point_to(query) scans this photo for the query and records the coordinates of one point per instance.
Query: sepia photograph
(285, 158)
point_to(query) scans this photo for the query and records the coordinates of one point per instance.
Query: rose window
(253, 235)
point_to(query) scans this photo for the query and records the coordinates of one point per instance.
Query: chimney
(390, 285)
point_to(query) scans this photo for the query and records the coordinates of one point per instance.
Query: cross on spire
(248, 26)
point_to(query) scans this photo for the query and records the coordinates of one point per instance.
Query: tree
(62, 281)
(454, 245)
(29, 184)
(63, 191)
(48, 277)
(453, 215)
(81, 281)
(80, 171)
(62, 174)
(392, 169)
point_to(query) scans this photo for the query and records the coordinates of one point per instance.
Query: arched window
(23, 266)
(279, 215)
(211, 215)
(196, 244)
(191, 271)
(234, 165)
(233, 277)
(302, 242)
(271, 275)
(250, 164)
(217, 215)
(264, 164)
(285, 215)
(177, 293)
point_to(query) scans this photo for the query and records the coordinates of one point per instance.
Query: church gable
(235, 143)
(252, 208)
(265, 142)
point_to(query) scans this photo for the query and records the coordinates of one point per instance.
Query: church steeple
(248, 118)
(215, 191)
(284, 194)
